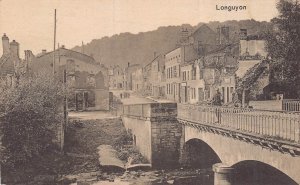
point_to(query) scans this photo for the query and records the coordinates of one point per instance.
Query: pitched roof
(72, 54)
(202, 27)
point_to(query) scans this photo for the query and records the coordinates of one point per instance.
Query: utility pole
(82, 47)
(54, 43)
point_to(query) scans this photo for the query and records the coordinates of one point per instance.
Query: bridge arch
(196, 153)
(252, 172)
(232, 151)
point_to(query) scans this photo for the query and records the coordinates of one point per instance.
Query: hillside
(139, 48)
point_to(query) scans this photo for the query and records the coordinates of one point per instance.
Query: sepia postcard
(150, 92)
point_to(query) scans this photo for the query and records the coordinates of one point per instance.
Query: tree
(283, 44)
(31, 113)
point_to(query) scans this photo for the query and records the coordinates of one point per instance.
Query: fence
(291, 105)
(281, 125)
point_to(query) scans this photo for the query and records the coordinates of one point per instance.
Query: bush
(31, 112)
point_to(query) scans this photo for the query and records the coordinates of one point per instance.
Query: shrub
(31, 112)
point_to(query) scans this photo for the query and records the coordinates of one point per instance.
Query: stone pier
(223, 174)
(156, 131)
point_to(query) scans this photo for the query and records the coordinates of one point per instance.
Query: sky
(31, 22)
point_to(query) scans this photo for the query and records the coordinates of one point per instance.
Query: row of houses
(87, 80)
(203, 63)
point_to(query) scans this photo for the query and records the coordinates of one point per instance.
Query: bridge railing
(291, 105)
(152, 110)
(280, 125)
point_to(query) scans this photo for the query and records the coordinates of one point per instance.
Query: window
(175, 89)
(207, 95)
(175, 71)
(167, 88)
(201, 74)
(193, 73)
(193, 93)
(167, 73)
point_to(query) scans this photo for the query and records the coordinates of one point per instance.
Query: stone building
(204, 39)
(252, 52)
(147, 80)
(116, 78)
(138, 80)
(192, 85)
(128, 75)
(157, 76)
(220, 66)
(252, 46)
(173, 59)
(253, 69)
(11, 66)
(87, 80)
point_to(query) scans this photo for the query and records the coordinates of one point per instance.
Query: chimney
(154, 54)
(243, 34)
(44, 51)
(128, 64)
(14, 48)
(82, 47)
(28, 57)
(5, 44)
(184, 36)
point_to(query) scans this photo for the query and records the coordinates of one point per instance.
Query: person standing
(217, 101)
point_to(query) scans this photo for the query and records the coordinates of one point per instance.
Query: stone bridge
(242, 146)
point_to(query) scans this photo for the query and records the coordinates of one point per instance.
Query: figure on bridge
(217, 99)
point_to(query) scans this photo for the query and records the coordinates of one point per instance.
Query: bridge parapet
(279, 126)
(291, 105)
(151, 110)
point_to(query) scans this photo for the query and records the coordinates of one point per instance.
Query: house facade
(128, 75)
(192, 85)
(157, 76)
(147, 89)
(173, 59)
(116, 78)
(87, 80)
(138, 80)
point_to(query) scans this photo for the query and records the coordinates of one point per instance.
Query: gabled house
(87, 80)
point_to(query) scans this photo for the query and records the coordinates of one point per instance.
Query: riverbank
(79, 164)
